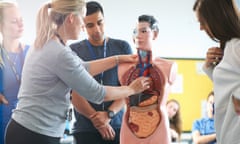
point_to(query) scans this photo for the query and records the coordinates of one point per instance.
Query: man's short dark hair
(93, 7)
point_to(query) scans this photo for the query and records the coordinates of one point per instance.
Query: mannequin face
(143, 36)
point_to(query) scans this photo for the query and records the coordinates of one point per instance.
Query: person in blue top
(99, 123)
(203, 130)
(12, 55)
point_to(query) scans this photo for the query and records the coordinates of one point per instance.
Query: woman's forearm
(100, 65)
(117, 92)
(137, 86)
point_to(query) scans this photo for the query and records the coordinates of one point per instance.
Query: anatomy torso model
(145, 120)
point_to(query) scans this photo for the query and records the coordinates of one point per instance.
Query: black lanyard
(90, 48)
(11, 63)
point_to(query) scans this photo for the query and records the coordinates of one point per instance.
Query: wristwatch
(110, 113)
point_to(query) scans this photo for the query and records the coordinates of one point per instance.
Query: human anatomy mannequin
(145, 120)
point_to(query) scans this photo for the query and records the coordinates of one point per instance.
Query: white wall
(179, 30)
(29, 10)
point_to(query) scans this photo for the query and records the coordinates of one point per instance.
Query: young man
(98, 123)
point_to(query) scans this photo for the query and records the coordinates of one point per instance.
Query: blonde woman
(51, 70)
(12, 55)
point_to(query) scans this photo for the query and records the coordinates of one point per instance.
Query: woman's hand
(236, 103)
(213, 57)
(135, 87)
(140, 84)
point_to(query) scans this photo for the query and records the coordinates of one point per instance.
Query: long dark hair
(222, 18)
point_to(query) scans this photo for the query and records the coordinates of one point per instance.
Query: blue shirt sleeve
(196, 126)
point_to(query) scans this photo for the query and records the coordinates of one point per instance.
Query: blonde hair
(3, 6)
(52, 15)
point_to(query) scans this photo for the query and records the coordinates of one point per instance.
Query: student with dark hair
(203, 130)
(220, 20)
(98, 123)
(146, 120)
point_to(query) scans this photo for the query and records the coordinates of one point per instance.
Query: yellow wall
(195, 88)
